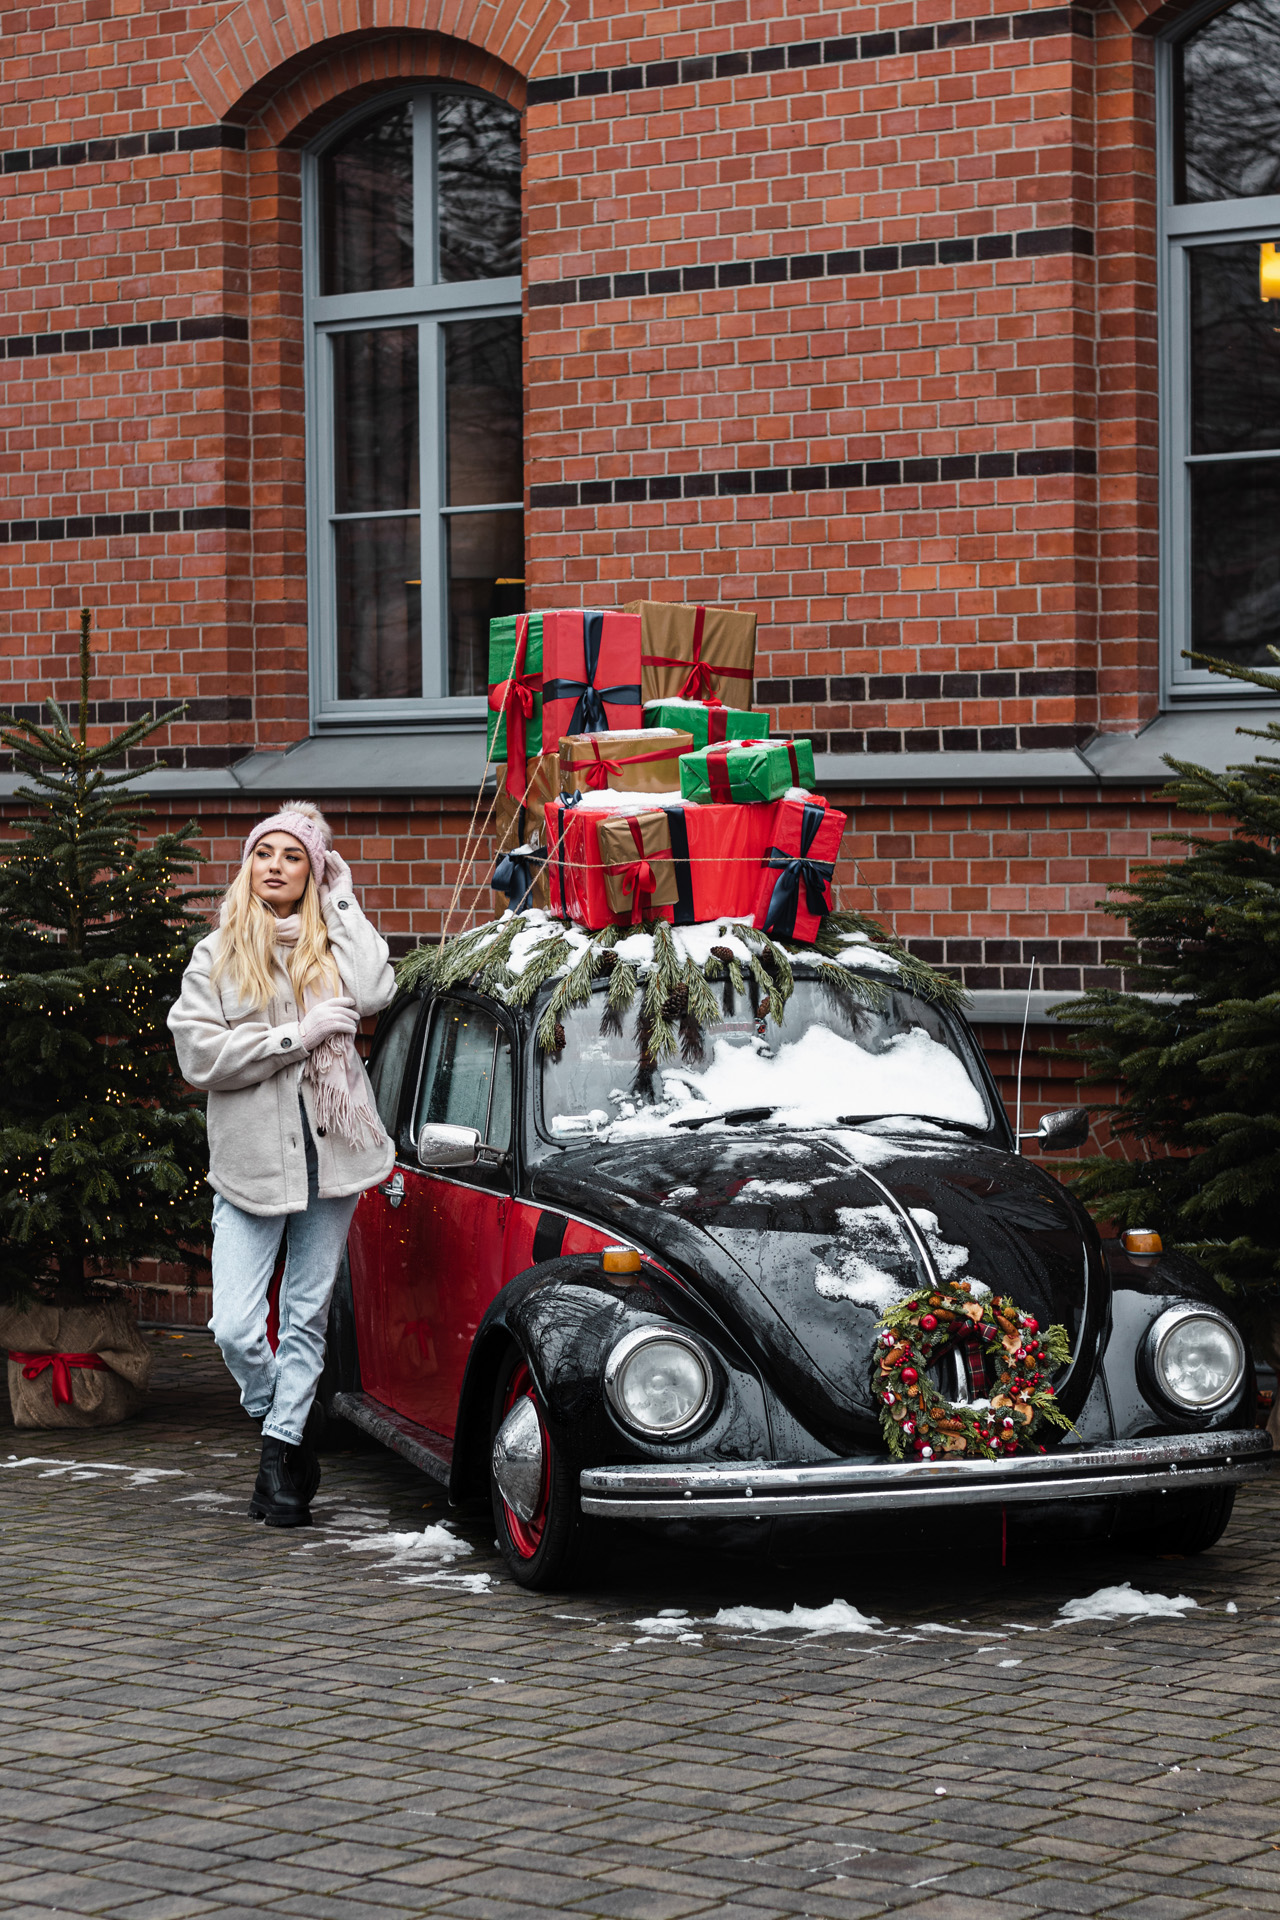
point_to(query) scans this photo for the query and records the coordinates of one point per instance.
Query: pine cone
(559, 1038)
(677, 1001)
(608, 960)
(723, 954)
(769, 961)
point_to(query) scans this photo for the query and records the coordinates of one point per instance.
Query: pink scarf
(333, 1069)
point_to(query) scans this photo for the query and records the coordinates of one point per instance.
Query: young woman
(265, 1023)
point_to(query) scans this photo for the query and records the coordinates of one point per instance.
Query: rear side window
(386, 1071)
(467, 1081)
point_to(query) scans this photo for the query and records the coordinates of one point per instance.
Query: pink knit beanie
(309, 829)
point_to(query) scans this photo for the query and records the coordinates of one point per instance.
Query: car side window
(466, 1079)
(386, 1070)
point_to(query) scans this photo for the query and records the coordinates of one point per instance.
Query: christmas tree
(1194, 1043)
(102, 1149)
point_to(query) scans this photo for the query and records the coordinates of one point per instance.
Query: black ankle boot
(304, 1460)
(277, 1496)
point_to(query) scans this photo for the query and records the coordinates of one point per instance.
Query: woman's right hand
(327, 1018)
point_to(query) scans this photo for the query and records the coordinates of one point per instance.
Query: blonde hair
(247, 950)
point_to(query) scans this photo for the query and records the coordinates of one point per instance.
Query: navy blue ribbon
(515, 873)
(679, 827)
(589, 714)
(797, 871)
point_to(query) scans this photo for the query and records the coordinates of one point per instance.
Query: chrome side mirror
(440, 1145)
(1069, 1128)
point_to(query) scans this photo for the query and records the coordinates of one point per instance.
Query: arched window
(415, 420)
(1221, 344)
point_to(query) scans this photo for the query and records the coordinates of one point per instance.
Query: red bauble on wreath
(917, 1420)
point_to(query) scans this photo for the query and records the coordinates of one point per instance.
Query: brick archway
(264, 42)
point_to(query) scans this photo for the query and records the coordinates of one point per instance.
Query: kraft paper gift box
(590, 673)
(695, 653)
(519, 823)
(709, 721)
(635, 760)
(795, 886)
(515, 697)
(746, 770)
(637, 865)
(716, 855)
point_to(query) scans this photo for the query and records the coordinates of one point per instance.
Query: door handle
(394, 1188)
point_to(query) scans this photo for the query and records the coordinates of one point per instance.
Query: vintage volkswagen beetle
(602, 1291)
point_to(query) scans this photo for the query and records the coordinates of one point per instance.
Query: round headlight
(659, 1382)
(1197, 1358)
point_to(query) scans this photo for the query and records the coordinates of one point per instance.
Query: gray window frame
(1182, 227)
(427, 305)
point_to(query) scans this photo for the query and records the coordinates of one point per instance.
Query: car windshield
(833, 1059)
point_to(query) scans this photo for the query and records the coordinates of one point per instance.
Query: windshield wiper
(930, 1119)
(735, 1117)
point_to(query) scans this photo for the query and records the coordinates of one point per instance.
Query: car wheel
(534, 1490)
(1187, 1522)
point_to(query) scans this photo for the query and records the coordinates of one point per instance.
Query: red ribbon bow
(639, 878)
(697, 683)
(514, 697)
(599, 769)
(34, 1364)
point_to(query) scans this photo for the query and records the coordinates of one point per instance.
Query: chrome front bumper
(1184, 1461)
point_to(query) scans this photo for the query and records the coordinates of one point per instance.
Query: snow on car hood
(800, 1241)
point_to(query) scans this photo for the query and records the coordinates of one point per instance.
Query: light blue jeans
(277, 1388)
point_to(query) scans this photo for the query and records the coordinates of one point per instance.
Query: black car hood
(799, 1241)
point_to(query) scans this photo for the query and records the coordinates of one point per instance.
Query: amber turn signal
(620, 1260)
(1269, 272)
(1139, 1240)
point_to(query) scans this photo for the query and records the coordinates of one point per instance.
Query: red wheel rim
(526, 1535)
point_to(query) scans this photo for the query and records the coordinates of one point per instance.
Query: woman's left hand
(337, 876)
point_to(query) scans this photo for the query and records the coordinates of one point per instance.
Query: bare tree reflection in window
(1227, 105)
(478, 178)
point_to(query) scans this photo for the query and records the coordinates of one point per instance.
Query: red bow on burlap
(514, 697)
(599, 769)
(34, 1364)
(639, 878)
(697, 683)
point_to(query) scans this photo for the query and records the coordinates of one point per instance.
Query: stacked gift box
(635, 780)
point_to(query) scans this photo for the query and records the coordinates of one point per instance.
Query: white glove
(329, 1017)
(337, 877)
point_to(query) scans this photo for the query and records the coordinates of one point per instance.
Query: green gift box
(505, 634)
(746, 770)
(707, 724)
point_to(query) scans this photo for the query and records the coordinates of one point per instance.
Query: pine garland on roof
(676, 999)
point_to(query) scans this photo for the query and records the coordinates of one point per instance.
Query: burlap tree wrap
(100, 1397)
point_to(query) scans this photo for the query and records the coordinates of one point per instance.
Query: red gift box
(590, 674)
(716, 852)
(795, 887)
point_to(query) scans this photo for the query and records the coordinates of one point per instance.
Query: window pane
(1227, 105)
(1235, 544)
(387, 1069)
(375, 420)
(484, 452)
(486, 559)
(379, 593)
(478, 170)
(500, 1106)
(455, 1086)
(366, 202)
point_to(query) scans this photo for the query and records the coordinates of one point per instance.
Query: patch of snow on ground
(1126, 1602)
(92, 1469)
(836, 1617)
(404, 1553)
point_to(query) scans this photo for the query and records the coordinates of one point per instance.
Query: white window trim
(427, 307)
(1179, 228)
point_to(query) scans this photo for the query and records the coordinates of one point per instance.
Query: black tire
(548, 1552)
(1185, 1523)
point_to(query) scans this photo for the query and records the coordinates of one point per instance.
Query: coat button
(343, 905)
(285, 1043)
(320, 1133)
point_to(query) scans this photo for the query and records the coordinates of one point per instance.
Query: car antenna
(1022, 1047)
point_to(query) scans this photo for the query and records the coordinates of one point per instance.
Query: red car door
(442, 1249)
(375, 1215)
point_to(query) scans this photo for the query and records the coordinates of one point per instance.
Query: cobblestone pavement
(204, 1717)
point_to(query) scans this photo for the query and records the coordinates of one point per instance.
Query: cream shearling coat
(249, 1061)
